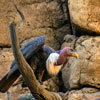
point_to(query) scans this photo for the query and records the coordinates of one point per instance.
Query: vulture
(45, 61)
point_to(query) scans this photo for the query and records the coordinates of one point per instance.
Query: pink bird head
(65, 53)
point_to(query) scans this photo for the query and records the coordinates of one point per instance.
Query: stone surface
(84, 71)
(6, 57)
(69, 40)
(15, 92)
(80, 95)
(52, 84)
(41, 18)
(85, 14)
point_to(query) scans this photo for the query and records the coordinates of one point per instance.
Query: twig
(21, 15)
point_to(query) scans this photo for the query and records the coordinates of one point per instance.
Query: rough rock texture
(84, 71)
(15, 92)
(69, 40)
(81, 95)
(42, 17)
(75, 95)
(52, 84)
(6, 57)
(85, 14)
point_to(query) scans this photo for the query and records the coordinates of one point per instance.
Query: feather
(51, 66)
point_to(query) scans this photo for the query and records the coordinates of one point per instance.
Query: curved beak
(74, 54)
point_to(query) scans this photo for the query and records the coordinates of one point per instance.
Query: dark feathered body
(29, 51)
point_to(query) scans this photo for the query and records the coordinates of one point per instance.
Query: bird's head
(65, 53)
(69, 52)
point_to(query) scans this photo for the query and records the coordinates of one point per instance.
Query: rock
(70, 95)
(85, 15)
(75, 95)
(89, 90)
(84, 71)
(69, 40)
(79, 95)
(41, 18)
(6, 57)
(51, 84)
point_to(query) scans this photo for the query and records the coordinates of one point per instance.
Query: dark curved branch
(36, 89)
(21, 15)
(22, 64)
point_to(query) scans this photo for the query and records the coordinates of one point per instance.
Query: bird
(44, 60)
(55, 61)
(29, 50)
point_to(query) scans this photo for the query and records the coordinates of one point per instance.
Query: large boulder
(82, 95)
(41, 18)
(84, 71)
(85, 15)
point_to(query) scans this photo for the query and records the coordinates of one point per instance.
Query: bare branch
(21, 15)
(36, 89)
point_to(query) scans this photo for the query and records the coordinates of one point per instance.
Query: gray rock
(84, 71)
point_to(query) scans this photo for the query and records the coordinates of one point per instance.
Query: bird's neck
(62, 58)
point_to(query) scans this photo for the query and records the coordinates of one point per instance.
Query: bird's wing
(48, 50)
(28, 50)
(40, 72)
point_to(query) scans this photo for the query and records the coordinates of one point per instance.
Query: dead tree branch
(21, 15)
(36, 89)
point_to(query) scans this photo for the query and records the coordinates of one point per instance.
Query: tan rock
(80, 95)
(75, 95)
(69, 40)
(85, 14)
(84, 71)
(41, 18)
(51, 84)
(6, 57)
(90, 90)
